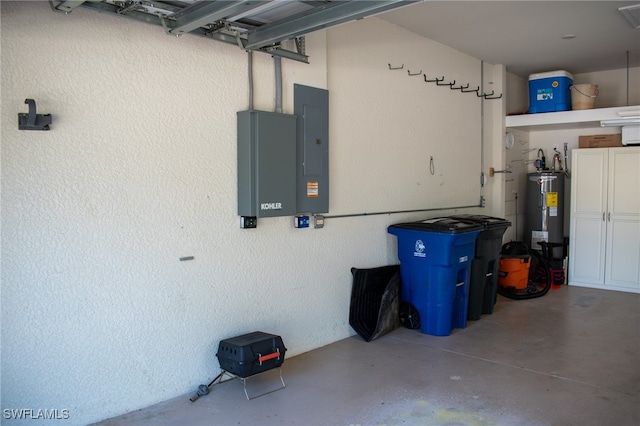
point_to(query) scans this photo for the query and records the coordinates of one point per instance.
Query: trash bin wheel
(409, 316)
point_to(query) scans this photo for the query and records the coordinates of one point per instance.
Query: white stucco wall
(99, 315)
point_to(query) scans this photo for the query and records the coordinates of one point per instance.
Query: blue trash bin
(435, 261)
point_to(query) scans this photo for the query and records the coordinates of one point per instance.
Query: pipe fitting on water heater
(540, 162)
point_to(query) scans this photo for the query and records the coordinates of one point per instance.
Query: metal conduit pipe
(481, 126)
(250, 52)
(401, 211)
(278, 69)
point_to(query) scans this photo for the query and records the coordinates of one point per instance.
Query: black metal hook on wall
(396, 68)
(446, 84)
(31, 120)
(459, 88)
(433, 81)
(415, 73)
(488, 96)
(477, 89)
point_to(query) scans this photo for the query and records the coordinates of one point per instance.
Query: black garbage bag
(375, 300)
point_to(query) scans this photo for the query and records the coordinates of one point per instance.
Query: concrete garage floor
(571, 357)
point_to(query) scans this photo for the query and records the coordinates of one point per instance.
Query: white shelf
(567, 119)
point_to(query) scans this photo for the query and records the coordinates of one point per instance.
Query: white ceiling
(526, 36)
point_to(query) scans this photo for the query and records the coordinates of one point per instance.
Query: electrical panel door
(311, 107)
(266, 164)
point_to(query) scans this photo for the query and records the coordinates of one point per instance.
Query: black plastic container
(251, 353)
(375, 299)
(483, 283)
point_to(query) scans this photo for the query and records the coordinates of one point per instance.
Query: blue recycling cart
(435, 262)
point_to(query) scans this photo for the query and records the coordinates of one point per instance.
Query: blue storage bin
(550, 91)
(435, 257)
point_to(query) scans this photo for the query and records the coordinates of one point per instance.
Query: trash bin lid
(447, 225)
(487, 221)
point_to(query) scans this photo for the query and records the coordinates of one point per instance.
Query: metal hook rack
(452, 84)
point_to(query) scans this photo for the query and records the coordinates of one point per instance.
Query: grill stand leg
(244, 383)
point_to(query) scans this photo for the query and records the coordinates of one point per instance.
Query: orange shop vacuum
(523, 273)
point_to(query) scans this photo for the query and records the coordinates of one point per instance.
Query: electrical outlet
(301, 221)
(248, 222)
(318, 221)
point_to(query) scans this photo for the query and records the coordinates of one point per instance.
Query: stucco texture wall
(99, 315)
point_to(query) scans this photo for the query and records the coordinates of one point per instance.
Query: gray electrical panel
(311, 107)
(266, 164)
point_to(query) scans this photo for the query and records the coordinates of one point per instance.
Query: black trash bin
(483, 283)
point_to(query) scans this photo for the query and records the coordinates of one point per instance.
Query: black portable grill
(250, 354)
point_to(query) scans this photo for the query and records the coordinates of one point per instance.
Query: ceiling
(527, 36)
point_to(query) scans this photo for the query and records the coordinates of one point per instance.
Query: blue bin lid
(488, 222)
(446, 225)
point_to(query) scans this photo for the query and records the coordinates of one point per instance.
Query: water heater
(545, 208)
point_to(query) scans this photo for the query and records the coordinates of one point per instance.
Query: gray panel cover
(311, 107)
(266, 164)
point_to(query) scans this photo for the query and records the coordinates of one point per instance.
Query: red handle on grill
(263, 358)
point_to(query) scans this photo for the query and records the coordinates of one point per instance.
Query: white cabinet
(605, 219)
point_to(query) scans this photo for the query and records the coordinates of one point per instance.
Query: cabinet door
(623, 219)
(587, 241)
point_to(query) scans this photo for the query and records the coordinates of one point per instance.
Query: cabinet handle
(609, 216)
(603, 216)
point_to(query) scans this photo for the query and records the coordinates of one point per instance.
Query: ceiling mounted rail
(327, 15)
(206, 12)
(261, 25)
(67, 6)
